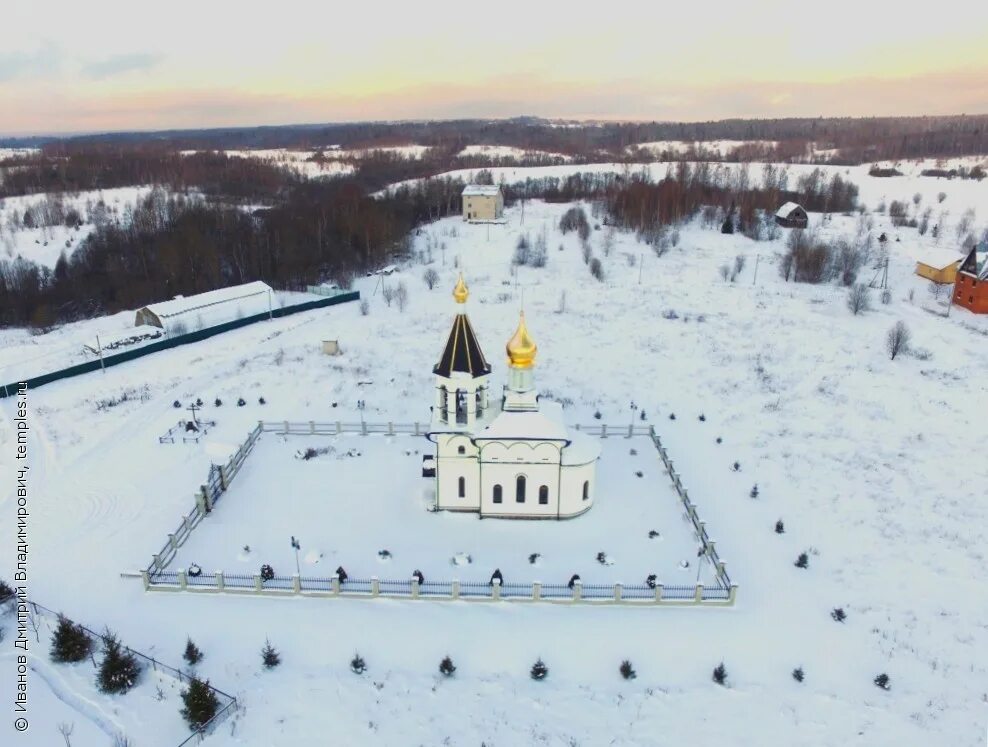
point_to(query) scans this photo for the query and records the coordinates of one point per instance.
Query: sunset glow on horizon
(103, 66)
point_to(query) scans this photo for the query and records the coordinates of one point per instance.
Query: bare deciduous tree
(431, 277)
(401, 296)
(725, 272)
(65, 729)
(897, 340)
(859, 298)
(388, 294)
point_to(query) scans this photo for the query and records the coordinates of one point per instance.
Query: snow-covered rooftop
(185, 304)
(938, 257)
(488, 190)
(525, 425)
(786, 210)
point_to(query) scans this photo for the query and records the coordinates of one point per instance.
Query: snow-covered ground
(44, 244)
(6, 153)
(719, 148)
(507, 151)
(873, 466)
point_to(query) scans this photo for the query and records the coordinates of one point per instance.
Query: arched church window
(497, 493)
(463, 486)
(586, 490)
(520, 489)
(543, 495)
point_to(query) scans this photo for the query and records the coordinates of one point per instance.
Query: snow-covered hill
(873, 465)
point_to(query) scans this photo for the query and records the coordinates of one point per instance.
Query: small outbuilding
(971, 286)
(482, 203)
(791, 215)
(188, 313)
(938, 265)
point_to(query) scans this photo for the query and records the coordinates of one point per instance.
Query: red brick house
(971, 287)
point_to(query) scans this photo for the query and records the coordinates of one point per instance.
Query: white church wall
(506, 475)
(450, 467)
(571, 501)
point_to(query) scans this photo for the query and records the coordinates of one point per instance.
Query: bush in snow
(859, 298)
(5, 591)
(597, 269)
(720, 674)
(261, 401)
(650, 580)
(364, 307)
(267, 572)
(534, 557)
(838, 614)
(754, 491)
(176, 404)
(597, 415)
(797, 674)
(803, 561)
(198, 401)
(357, 664)
(702, 418)
(241, 402)
(192, 653)
(719, 440)
(725, 272)
(653, 533)
(446, 667)
(573, 580)
(736, 467)
(639, 473)
(269, 655)
(384, 554)
(883, 681)
(69, 642)
(602, 557)
(218, 402)
(672, 416)
(418, 576)
(199, 703)
(119, 670)
(780, 528)
(539, 671)
(886, 296)
(643, 416)
(627, 671)
(498, 576)
(342, 574)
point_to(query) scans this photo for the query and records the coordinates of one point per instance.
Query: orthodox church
(509, 457)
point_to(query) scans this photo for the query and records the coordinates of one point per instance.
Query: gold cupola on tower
(521, 348)
(461, 292)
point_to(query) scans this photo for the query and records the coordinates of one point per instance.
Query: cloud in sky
(203, 64)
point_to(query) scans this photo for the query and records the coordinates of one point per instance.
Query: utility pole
(523, 211)
(641, 262)
(270, 310)
(296, 545)
(758, 258)
(99, 349)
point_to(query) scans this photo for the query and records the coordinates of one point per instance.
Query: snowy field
(507, 151)
(346, 507)
(718, 148)
(873, 466)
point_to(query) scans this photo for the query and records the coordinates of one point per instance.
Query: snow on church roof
(489, 190)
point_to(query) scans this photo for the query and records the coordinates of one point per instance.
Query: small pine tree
(539, 671)
(5, 591)
(720, 674)
(672, 416)
(357, 664)
(119, 670)
(192, 653)
(883, 681)
(241, 402)
(754, 491)
(627, 671)
(261, 401)
(200, 703)
(218, 402)
(838, 614)
(803, 561)
(797, 674)
(736, 467)
(702, 418)
(70, 642)
(176, 404)
(780, 528)
(269, 655)
(446, 667)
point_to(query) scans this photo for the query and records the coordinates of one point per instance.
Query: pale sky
(95, 65)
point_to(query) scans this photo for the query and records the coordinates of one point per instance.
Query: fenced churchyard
(351, 497)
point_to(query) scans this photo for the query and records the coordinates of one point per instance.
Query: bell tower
(462, 371)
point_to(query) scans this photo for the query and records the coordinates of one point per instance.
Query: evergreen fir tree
(357, 664)
(838, 614)
(192, 653)
(119, 670)
(70, 642)
(270, 655)
(803, 561)
(754, 491)
(200, 703)
(797, 674)
(627, 671)
(720, 674)
(446, 667)
(780, 528)
(539, 671)
(883, 681)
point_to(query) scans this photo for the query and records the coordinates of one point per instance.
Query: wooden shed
(971, 286)
(938, 265)
(791, 215)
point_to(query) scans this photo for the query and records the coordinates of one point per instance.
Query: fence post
(258, 583)
(732, 595)
(312, 427)
(336, 585)
(722, 569)
(455, 593)
(710, 547)
(339, 428)
(496, 589)
(286, 427)
(183, 580)
(577, 591)
(146, 578)
(698, 595)
(207, 498)
(201, 501)
(156, 559)
(536, 591)
(375, 586)
(603, 431)
(223, 481)
(415, 588)
(631, 430)
(391, 428)
(658, 592)
(172, 541)
(363, 428)
(416, 428)
(617, 592)
(220, 581)
(296, 583)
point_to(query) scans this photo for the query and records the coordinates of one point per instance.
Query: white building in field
(483, 203)
(506, 457)
(190, 313)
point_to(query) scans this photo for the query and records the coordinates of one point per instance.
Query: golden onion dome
(521, 347)
(461, 292)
